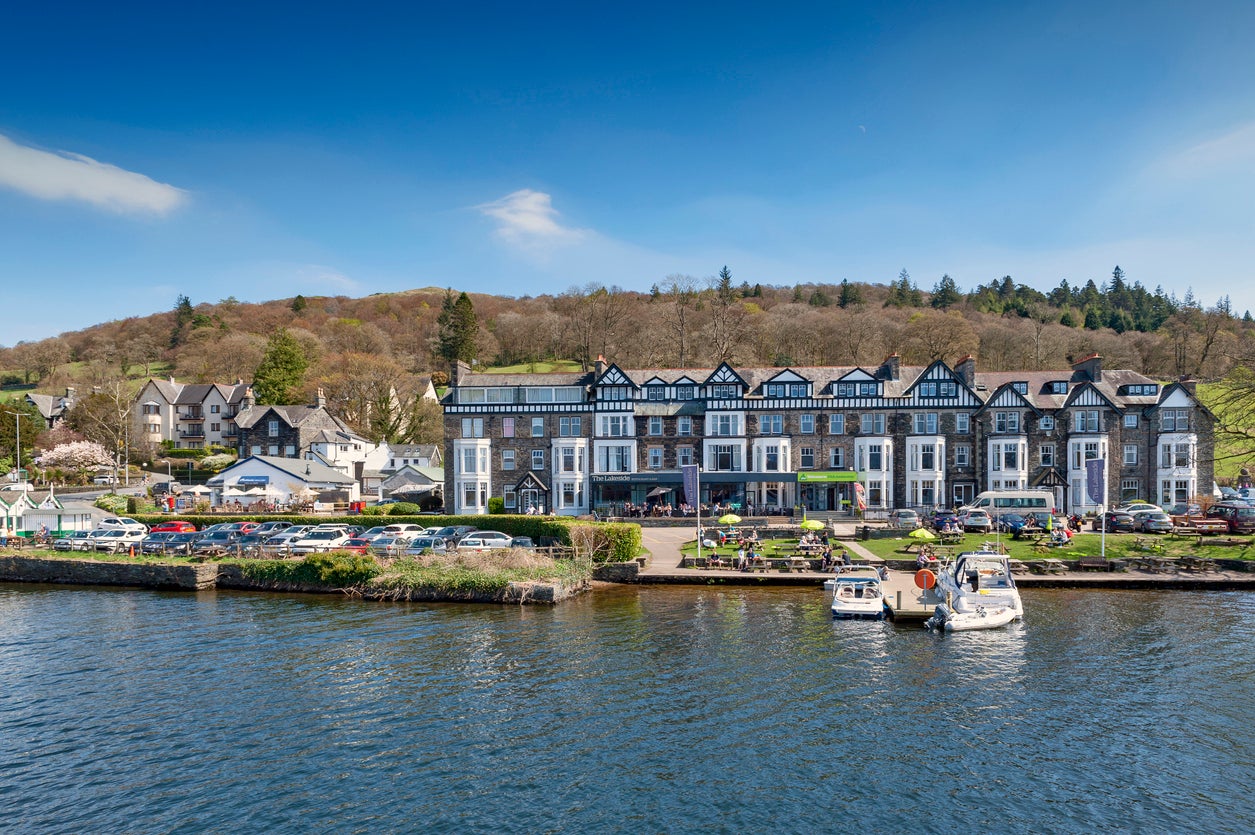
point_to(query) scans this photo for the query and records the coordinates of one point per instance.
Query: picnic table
(1197, 563)
(950, 537)
(1154, 564)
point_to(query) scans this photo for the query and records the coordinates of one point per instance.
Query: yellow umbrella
(922, 533)
(811, 525)
(729, 519)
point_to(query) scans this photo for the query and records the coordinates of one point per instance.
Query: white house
(279, 480)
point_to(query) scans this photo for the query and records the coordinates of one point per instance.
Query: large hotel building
(773, 439)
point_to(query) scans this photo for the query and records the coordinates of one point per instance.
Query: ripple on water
(633, 709)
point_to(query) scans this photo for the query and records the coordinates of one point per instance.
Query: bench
(1092, 563)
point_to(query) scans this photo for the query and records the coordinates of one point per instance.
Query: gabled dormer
(1087, 395)
(788, 383)
(857, 382)
(939, 386)
(725, 384)
(614, 385)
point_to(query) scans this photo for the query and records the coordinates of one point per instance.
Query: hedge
(622, 539)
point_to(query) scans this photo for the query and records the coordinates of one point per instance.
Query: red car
(173, 527)
(355, 546)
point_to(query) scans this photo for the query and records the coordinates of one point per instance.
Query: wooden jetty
(906, 601)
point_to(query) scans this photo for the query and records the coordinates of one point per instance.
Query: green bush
(496, 504)
(341, 569)
(374, 510)
(403, 509)
(615, 541)
(132, 505)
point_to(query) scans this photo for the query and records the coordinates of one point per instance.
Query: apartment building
(771, 439)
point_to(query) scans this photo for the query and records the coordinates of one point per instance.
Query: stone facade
(772, 439)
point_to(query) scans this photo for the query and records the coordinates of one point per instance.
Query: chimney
(966, 369)
(248, 401)
(1189, 384)
(457, 370)
(1090, 367)
(320, 399)
(172, 380)
(890, 369)
(70, 392)
(600, 367)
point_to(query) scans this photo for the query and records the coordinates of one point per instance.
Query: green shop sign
(829, 476)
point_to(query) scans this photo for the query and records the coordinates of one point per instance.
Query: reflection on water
(658, 709)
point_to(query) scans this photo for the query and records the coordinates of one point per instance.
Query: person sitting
(826, 563)
(925, 558)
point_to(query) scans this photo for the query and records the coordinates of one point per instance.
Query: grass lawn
(1119, 545)
(535, 368)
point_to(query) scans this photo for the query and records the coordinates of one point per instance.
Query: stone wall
(95, 573)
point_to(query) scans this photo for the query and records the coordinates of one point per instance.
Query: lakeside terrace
(665, 566)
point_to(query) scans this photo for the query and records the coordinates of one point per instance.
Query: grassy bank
(1119, 546)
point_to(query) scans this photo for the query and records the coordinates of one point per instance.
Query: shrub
(403, 509)
(341, 569)
(132, 505)
(607, 542)
(496, 504)
(374, 510)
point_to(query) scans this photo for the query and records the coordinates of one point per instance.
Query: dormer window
(1020, 387)
(724, 391)
(798, 389)
(656, 393)
(868, 390)
(684, 392)
(774, 390)
(845, 389)
(1058, 387)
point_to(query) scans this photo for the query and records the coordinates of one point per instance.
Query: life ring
(925, 579)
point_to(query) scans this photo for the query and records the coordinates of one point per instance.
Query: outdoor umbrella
(922, 533)
(656, 492)
(729, 519)
(811, 525)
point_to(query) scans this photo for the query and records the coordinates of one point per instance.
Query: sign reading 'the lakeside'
(1095, 480)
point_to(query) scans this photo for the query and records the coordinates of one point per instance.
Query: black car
(452, 533)
(1115, 522)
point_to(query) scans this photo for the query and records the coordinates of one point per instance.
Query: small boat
(979, 593)
(857, 594)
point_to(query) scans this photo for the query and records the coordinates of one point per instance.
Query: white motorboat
(979, 593)
(857, 594)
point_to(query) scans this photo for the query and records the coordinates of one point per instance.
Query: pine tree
(183, 314)
(850, 295)
(946, 293)
(459, 328)
(279, 377)
(299, 304)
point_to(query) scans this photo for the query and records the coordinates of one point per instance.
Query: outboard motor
(940, 615)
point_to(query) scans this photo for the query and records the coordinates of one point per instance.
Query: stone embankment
(201, 576)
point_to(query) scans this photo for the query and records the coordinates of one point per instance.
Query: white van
(998, 502)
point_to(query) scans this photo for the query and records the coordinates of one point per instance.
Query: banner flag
(1095, 480)
(689, 474)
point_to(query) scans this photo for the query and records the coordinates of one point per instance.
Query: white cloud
(528, 218)
(67, 176)
(1231, 153)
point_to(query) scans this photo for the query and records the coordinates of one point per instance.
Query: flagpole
(698, 473)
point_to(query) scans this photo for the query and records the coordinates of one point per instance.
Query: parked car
(426, 545)
(181, 543)
(320, 541)
(240, 527)
(74, 541)
(904, 518)
(104, 479)
(475, 542)
(215, 542)
(388, 545)
(356, 545)
(409, 529)
(493, 536)
(163, 487)
(522, 542)
(122, 523)
(155, 542)
(1115, 521)
(271, 528)
(1241, 517)
(281, 542)
(1013, 523)
(116, 540)
(942, 517)
(173, 526)
(378, 530)
(1135, 507)
(1152, 521)
(977, 521)
(452, 533)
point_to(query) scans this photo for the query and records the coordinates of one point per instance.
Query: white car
(475, 542)
(282, 541)
(404, 530)
(316, 541)
(121, 523)
(117, 540)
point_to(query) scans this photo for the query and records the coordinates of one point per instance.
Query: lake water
(630, 710)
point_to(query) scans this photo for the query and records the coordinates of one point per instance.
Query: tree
(104, 417)
(183, 315)
(282, 370)
(727, 317)
(458, 328)
(28, 425)
(851, 295)
(80, 456)
(946, 293)
(680, 298)
(299, 304)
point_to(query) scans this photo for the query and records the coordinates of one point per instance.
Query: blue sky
(265, 150)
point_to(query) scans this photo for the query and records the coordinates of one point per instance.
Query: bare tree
(679, 297)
